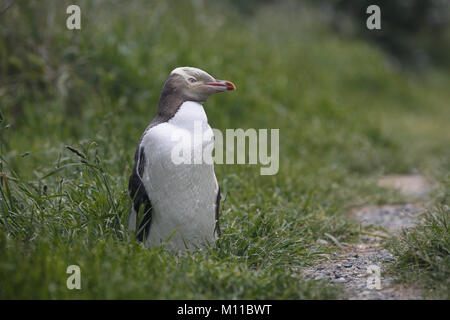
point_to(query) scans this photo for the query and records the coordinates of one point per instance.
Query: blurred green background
(350, 104)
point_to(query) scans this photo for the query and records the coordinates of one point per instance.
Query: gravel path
(355, 267)
(391, 217)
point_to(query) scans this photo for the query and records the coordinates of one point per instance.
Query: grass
(345, 116)
(423, 252)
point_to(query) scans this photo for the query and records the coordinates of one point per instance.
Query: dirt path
(356, 266)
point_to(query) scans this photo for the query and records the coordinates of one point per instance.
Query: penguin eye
(192, 80)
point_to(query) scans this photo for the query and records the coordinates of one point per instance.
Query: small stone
(347, 264)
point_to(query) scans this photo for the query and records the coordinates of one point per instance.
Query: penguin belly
(183, 196)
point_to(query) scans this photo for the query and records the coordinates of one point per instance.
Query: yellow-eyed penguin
(177, 203)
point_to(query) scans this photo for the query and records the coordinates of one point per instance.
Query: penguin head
(194, 84)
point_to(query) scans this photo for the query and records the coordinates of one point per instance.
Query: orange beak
(222, 85)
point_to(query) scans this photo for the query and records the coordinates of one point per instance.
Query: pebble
(347, 265)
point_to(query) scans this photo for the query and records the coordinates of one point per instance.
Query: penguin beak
(221, 85)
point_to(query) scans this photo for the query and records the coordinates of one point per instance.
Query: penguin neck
(189, 113)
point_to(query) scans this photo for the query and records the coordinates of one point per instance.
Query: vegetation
(423, 252)
(73, 105)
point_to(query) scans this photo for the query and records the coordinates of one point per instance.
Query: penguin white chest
(181, 186)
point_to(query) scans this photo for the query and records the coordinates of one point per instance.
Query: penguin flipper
(217, 230)
(140, 201)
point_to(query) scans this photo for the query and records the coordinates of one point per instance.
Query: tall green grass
(74, 104)
(423, 252)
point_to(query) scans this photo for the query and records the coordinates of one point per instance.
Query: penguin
(176, 203)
